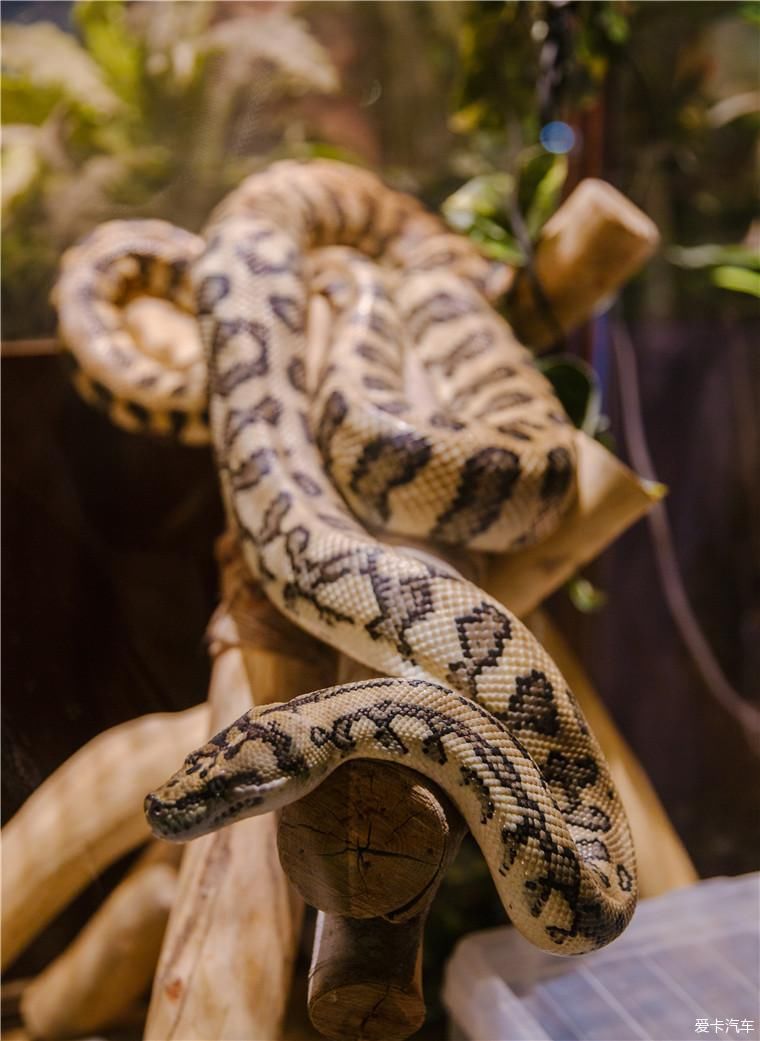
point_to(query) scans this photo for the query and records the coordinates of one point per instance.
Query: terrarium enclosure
(597, 162)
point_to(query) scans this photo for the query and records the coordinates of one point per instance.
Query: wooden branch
(84, 816)
(227, 959)
(587, 250)
(365, 979)
(33, 348)
(369, 847)
(373, 842)
(97, 979)
(367, 843)
(387, 837)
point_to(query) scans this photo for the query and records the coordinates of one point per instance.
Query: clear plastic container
(687, 967)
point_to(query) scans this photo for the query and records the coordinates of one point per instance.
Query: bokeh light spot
(557, 137)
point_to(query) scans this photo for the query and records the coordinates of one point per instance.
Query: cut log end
(588, 249)
(366, 980)
(369, 848)
(369, 842)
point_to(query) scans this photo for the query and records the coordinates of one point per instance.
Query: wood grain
(84, 816)
(95, 982)
(227, 959)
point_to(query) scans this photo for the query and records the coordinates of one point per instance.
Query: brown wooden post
(369, 848)
(588, 249)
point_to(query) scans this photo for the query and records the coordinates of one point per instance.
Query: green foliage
(25, 102)
(499, 210)
(733, 267)
(505, 50)
(153, 110)
(585, 596)
(737, 279)
(118, 52)
(676, 91)
(480, 209)
(751, 12)
(577, 387)
(499, 66)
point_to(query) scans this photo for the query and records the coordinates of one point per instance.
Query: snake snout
(155, 811)
(165, 821)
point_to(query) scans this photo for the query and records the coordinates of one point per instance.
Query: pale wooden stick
(663, 862)
(96, 980)
(590, 247)
(227, 959)
(86, 815)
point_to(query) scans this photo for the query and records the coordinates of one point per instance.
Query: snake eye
(217, 784)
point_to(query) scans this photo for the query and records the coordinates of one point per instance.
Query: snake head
(192, 804)
(246, 769)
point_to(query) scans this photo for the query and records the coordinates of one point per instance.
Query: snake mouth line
(175, 826)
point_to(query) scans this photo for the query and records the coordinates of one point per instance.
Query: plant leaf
(546, 195)
(585, 596)
(44, 58)
(119, 54)
(711, 254)
(577, 387)
(484, 196)
(738, 279)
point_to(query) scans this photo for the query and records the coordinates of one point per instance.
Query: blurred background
(492, 112)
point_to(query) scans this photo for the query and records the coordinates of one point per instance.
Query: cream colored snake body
(316, 454)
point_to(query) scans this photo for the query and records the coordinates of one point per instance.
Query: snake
(323, 451)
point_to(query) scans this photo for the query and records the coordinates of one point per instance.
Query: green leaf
(484, 196)
(712, 254)
(22, 165)
(585, 596)
(547, 195)
(508, 252)
(27, 102)
(41, 57)
(119, 54)
(614, 24)
(738, 279)
(577, 387)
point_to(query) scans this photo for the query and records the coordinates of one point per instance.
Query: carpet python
(316, 455)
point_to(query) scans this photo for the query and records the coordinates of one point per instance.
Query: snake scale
(315, 457)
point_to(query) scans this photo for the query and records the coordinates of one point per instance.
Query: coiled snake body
(477, 705)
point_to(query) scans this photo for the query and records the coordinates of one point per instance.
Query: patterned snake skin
(316, 454)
